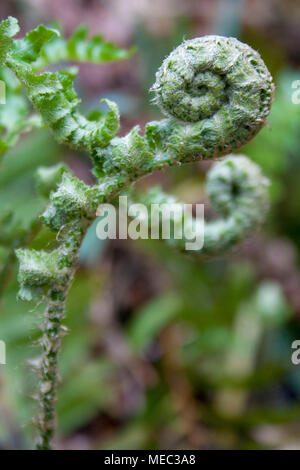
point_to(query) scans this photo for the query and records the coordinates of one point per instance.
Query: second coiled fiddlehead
(216, 93)
(237, 190)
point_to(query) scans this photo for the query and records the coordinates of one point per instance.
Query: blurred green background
(164, 350)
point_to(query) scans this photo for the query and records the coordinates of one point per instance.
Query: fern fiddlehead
(216, 93)
(219, 86)
(237, 190)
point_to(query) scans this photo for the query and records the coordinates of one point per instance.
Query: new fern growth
(216, 94)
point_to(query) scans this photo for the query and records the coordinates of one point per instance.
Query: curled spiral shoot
(216, 93)
(237, 190)
(203, 74)
(219, 83)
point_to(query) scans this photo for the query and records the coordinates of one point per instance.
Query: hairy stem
(52, 332)
(49, 375)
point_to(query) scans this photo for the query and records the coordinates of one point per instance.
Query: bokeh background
(164, 350)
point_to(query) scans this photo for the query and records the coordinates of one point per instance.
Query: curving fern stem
(216, 93)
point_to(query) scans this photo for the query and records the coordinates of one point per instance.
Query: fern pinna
(216, 94)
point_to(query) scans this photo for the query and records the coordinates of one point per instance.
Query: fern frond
(216, 94)
(80, 48)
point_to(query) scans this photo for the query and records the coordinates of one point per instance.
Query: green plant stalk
(49, 375)
(52, 332)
